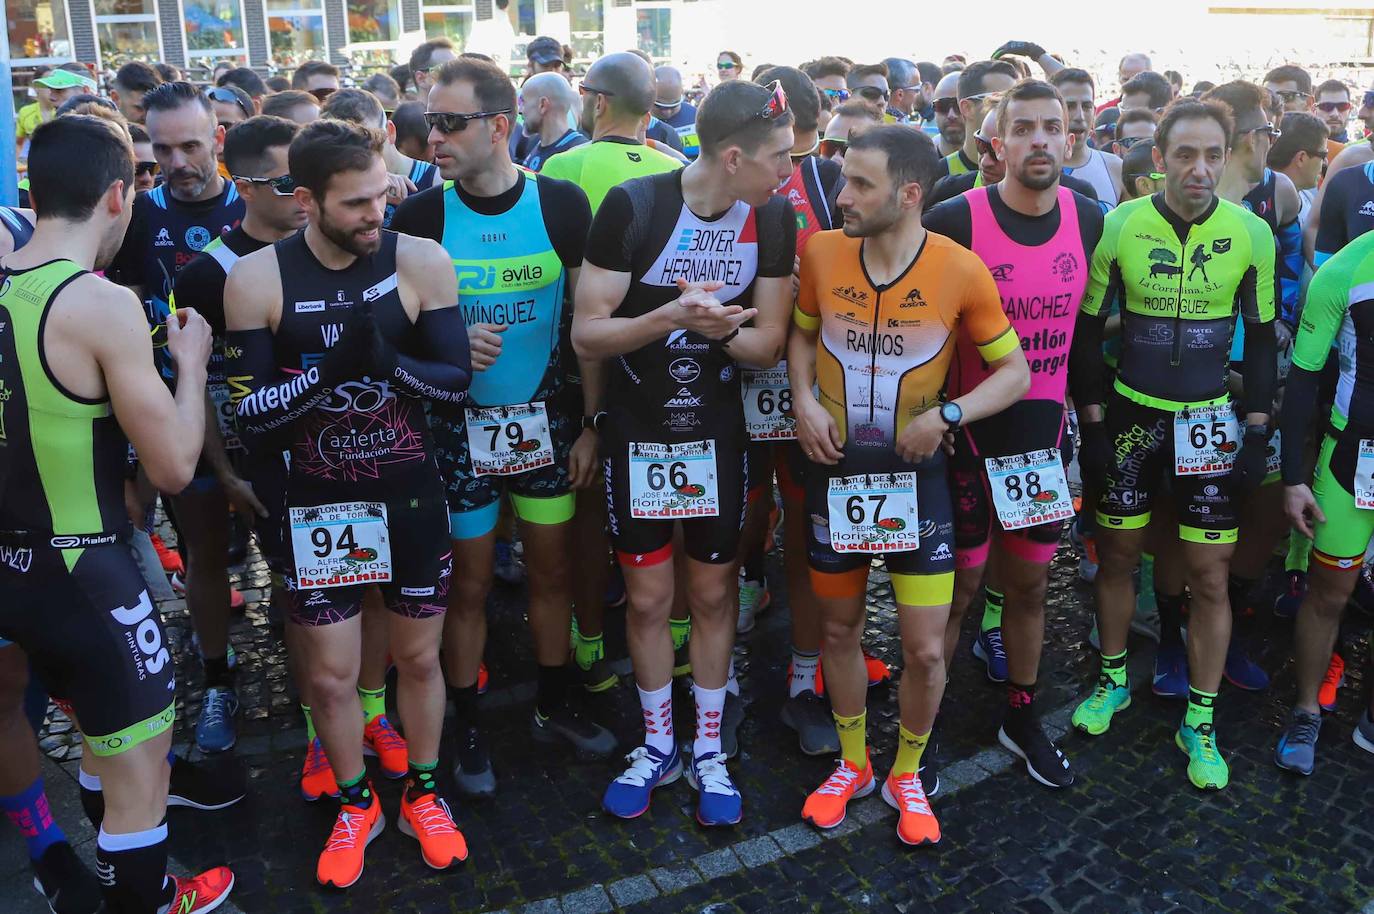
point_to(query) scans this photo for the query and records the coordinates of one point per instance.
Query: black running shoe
(196, 787)
(570, 726)
(1043, 759)
(473, 774)
(62, 879)
(929, 770)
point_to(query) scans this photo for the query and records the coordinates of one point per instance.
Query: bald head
(628, 78)
(948, 86)
(668, 86)
(1130, 65)
(547, 97)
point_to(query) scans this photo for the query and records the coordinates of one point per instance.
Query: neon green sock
(1199, 708)
(309, 724)
(1299, 552)
(1114, 668)
(853, 738)
(374, 703)
(587, 651)
(910, 748)
(681, 630)
(1146, 595)
(992, 609)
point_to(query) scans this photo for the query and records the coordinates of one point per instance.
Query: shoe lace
(384, 734)
(913, 796)
(1101, 695)
(839, 782)
(712, 775)
(641, 769)
(1207, 743)
(315, 759)
(1304, 729)
(216, 708)
(994, 639)
(434, 816)
(344, 837)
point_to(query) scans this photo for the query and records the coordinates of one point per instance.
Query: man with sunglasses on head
(171, 224)
(676, 320)
(979, 86)
(672, 109)
(516, 242)
(1100, 169)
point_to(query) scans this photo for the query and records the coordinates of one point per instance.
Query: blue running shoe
(1242, 672)
(1286, 604)
(719, 802)
(1297, 746)
(628, 795)
(1171, 671)
(987, 647)
(215, 728)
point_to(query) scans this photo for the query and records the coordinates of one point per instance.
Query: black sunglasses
(282, 185)
(945, 105)
(323, 92)
(454, 122)
(1126, 142)
(984, 145)
(871, 93)
(584, 89)
(228, 97)
(145, 168)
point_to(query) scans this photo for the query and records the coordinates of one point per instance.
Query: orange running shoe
(915, 822)
(381, 740)
(826, 806)
(1331, 683)
(317, 778)
(429, 821)
(341, 863)
(878, 673)
(483, 678)
(170, 558)
(201, 893)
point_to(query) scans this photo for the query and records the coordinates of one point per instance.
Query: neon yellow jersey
(599, 166)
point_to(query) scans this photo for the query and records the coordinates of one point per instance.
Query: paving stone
(630, 891)
(758, 851)
(674, 880)
(591, 900)
(718, 863)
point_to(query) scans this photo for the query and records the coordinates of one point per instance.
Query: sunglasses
(227, 97)
(1317, 153)
(145, 168)
(584, 89)
(1152, 175)
(1128, 141)
(984, 144)
(323, 92)
(282, 185)
(1333, 107)
(668, 106)
(990, 96)
(1290, 95)
(830, 147)
(453, 122)
(839, 95)
(945, 106)
(727, 66)
(776, 106)
(1273, 132)
(871, 93)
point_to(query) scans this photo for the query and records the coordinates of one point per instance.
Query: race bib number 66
(669, 481)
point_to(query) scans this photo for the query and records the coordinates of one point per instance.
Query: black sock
(464, 705)
(217, 673)
(1020, 706)
(420, 781)
(553, 689)
(357, 792)
(133, 871)
(755, 566)
(1238, 591)
(1170, 618)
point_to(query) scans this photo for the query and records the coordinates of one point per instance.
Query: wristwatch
(593, 423)
(952, 414)
(1262, 429)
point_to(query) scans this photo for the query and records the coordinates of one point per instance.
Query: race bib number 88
(1029, 489)
(668, 481)
(341, 544)
(873, 513)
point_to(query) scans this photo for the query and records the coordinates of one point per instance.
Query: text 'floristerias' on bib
(722, 250)
(873, 513)
(768, 404)
(1029, 489)
(341, 544)
(669, 481)
(1364, 475)
(1206, 439)
(509, 440)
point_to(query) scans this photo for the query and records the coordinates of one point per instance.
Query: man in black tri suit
(361, 323)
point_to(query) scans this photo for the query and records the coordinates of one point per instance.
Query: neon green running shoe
(1094, 715)
(1206, 768)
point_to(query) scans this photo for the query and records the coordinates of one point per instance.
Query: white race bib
(668, 481)
(1364, 475)
(1273, 456)
(509, 440)
(341, 544)
(873, 513)
(224, 410)
(768, 404)
(1029, 489)
(1206, 440)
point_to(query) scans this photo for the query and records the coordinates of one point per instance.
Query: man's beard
(1037, 182)
(348, 240)
(875, 224)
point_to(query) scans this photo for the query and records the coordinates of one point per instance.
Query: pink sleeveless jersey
(1040, 287)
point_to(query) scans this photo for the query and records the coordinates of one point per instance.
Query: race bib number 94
(1206, 440)
(873, 513)
(341, 544)
(509, 440)
(768, 404)
(668, 481)
(1029, 489)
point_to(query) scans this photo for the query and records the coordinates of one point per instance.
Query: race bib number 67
(668, 481)
(873, 513)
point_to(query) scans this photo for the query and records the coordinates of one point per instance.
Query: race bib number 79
(509, 440)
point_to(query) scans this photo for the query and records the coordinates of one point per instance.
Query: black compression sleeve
(1261, 368)
(1085, 360)
(265, 405)
(1299, 412)
(443, 370)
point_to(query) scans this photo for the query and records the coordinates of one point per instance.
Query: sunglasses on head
(1333, 107)
(145, 168)
(945, 105)
(871, 93)
(776, 106)
(454, 122)
(282, 185)
(830, 147)
(228, 97)
(839, 95)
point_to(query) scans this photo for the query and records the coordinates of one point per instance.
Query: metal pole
(9, 169)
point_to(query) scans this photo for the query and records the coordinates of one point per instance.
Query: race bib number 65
(873, 513)
(1206, 440)
(669, 481)
(340, 545)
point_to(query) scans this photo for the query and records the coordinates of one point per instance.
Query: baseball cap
(544, 50)
(65, 79)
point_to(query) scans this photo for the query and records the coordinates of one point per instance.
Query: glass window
(373, 20)
(587, 18)
(38, 29)
(213, 26)
(126, 30)
(452, 22)
(652, 29)
(296, 36)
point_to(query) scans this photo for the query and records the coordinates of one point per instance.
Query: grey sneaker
(753, 599)
(1297, 746)
(568, 726)
(807, 713)
(473, 774)
(1364, 732)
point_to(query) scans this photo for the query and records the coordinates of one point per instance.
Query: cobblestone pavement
(1131, 835)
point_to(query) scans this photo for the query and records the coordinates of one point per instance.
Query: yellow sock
(853, 744)
(909, 750)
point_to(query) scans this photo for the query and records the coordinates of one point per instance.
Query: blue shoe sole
(668, 778)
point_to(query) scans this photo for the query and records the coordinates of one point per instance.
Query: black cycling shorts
(94, 638)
